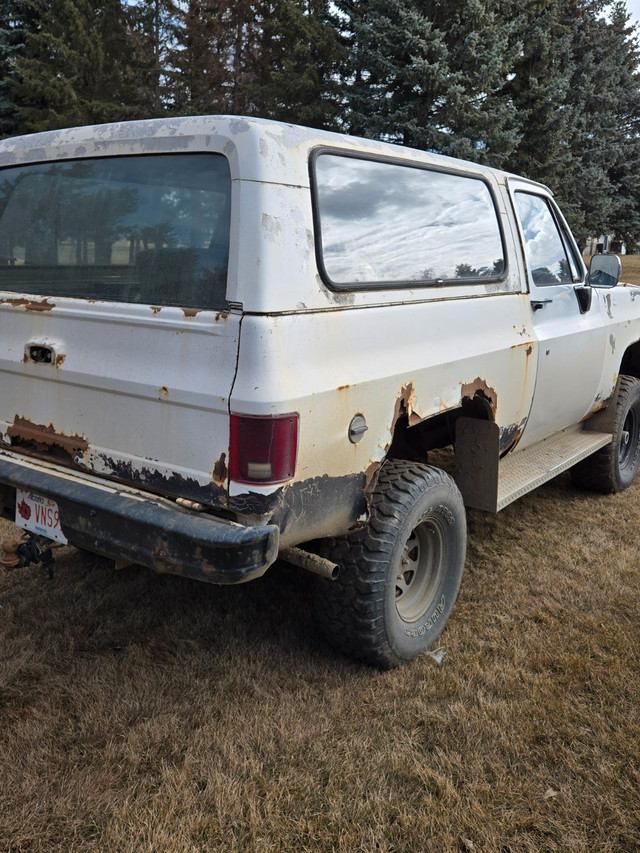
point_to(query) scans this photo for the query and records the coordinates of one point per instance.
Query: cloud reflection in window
(388, 223)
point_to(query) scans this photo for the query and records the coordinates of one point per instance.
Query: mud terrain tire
(401, 574)
(614, 468)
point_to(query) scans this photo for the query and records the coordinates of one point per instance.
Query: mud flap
(477, 458)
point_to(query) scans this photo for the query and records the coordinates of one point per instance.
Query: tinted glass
(387, 223)
(549, 259)
(151, 229)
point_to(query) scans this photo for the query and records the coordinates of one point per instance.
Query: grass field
(631, 268)
(148, 713)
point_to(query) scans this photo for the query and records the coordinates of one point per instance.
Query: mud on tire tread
(357, 611)
(602, 471)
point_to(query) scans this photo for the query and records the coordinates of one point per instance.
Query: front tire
(401, 574)
(614, 467)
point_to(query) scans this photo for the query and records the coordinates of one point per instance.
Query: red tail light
(263, 449)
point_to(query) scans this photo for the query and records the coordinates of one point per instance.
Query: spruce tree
(605, 97)
(431, 75)
(17, 18)
(151, 25)
(7, 103)
(293, 74)
(540, 89)
(576, 89)
(73, 68)
(207, 62)
(482, 48)
(398, 72)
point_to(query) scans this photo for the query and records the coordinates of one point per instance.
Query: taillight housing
(263, 450)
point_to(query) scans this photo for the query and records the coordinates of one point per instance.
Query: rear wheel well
(413, 443)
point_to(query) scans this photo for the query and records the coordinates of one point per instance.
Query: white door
(572, 338)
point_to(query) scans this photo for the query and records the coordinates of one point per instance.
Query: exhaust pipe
(311, 562)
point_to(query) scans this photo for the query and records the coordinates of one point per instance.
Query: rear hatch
(117, 346)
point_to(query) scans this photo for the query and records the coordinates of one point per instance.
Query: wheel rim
(420, 571)
(628, 439)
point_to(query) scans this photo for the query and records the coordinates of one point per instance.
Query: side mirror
(604, 270)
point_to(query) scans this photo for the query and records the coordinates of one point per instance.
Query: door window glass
(550, 260)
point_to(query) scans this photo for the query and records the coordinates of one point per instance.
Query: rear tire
(401, 574)
(614, 467)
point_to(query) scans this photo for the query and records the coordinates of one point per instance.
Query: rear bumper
(130, 525)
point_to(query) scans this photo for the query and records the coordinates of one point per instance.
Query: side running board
(491, 484)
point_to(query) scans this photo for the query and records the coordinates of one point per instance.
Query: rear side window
(148, 229)
(384, 224)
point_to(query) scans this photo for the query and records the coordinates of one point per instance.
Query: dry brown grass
(149, 713)
(631, 268)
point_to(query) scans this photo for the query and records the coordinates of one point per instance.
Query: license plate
(39, 515)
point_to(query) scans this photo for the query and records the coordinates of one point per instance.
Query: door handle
(537, 304)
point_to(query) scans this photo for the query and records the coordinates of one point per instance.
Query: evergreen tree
(576, 89)
(7, 104)
(431, 75)
(483, 47)
(197, 61)
(152, 25)
(208, 59)
(398, 72)
(540, 89)
(17, 18)
(73, 68)
(605, 97)
(295, 68)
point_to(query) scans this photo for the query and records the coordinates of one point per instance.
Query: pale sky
(633, 7)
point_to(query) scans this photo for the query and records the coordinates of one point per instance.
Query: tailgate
(117, 346)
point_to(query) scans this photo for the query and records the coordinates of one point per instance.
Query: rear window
(383, 224)
(148, 229)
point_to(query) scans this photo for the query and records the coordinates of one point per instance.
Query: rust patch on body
(601, 402)
(29, 304)
(220, 470)
(191, 312)
(59, 359)
(511, 435)
(598, 406)
(370, 475)
(342, 387)
(404, 406)
(607, 300)
(528, 348)
(163, 392)
(156, 309)
(41, 439)
(480, 390)
(221, 315)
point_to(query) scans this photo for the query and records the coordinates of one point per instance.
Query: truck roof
(258, 149)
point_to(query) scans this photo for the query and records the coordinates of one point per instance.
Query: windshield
(149, 229)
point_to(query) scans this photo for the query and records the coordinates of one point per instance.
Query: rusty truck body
(224, 339)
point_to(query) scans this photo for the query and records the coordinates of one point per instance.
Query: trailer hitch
(34, 549)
